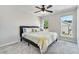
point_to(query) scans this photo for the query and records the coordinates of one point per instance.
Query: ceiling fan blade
(49, 11)
(49, 6)
(37, 11)
(37, 7)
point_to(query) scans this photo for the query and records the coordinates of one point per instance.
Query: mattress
(34, 36)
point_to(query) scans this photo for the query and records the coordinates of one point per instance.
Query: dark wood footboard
(30, 42)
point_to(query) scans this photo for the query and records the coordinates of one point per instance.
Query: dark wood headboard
(21, 29)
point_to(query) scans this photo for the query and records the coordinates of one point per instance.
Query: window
(46, 24)
(66, 25)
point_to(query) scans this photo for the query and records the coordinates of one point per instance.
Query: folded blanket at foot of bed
(42, 44)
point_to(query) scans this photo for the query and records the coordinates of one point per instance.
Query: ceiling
(56, 8)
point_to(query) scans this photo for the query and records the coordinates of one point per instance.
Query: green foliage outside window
(46, 23)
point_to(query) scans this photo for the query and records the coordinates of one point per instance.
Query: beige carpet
(59, 47)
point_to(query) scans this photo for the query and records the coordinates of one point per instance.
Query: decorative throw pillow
(32, 30)
(27, 30)
(35, 30)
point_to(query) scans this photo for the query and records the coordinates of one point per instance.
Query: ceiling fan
(44, 8)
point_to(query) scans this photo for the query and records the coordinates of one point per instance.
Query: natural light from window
(66, 25)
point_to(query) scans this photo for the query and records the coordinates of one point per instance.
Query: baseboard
(9, 43)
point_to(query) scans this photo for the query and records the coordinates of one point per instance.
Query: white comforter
(34, 36)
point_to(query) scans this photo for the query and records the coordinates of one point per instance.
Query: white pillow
(24, 30)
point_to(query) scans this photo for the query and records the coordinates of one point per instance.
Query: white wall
(10, 20)
(78, 25)
(55, 23)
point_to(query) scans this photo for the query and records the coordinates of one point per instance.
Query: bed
(39, 39)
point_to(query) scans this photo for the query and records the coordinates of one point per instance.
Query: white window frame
(71, 25)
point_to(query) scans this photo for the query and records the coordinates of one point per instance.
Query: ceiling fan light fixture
(43, 12)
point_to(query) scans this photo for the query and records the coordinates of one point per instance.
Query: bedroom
(14, 16)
